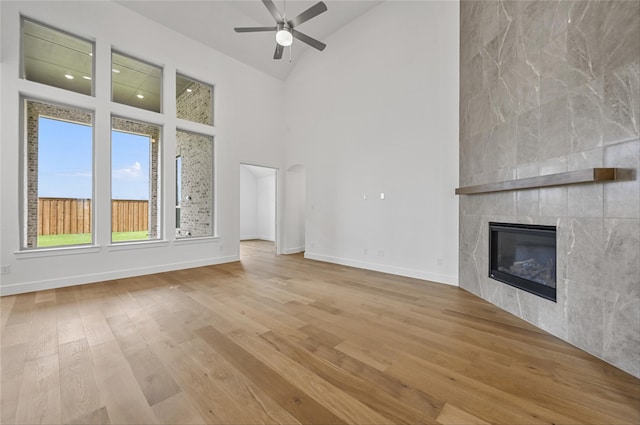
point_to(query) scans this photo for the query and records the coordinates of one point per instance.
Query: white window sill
(56, 251)
(123, 246)
(196, 240)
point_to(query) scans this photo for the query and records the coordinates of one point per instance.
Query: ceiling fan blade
(278, 53)
(311, 12)
(273, 10)
(255, 29)
(306, 39)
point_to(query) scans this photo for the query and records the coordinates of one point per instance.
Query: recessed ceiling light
(86, 77)
(189, 90)
(90, 53)
(68, 76)
(117, 71)
(139, 96)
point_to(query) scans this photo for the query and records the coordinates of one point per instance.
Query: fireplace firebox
(524, 256)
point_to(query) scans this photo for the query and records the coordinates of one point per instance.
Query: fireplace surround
(551, 87)
(524, 256)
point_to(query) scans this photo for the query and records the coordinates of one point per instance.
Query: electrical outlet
(366, 251)
(380, 253)
(221, 248)
(5, 269)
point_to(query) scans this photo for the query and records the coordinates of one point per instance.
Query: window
(194, 100)
(135, 181)
(135, 83)
(195, 152)
(58, 153)
(55, 58)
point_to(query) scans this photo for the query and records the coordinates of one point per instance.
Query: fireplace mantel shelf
(589, 175)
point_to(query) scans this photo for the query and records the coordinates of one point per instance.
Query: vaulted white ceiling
(211, 23)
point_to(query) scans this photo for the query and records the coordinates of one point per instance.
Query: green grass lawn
(85, 238)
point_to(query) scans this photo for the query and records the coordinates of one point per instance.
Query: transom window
(135, 83)
(55, 58)
(194, 100)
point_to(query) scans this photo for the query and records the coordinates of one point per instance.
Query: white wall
(266, 188)
(374, 113)
(242, 95)
(294, 204)
(257, 203)
(248, 204)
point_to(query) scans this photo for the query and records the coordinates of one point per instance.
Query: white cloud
(132, 171)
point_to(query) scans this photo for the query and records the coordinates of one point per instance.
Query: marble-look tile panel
(527, 71)
(540, 21)
(470, 41)
(585, 200)
(620, 262)
(553, 202)
(563, 243)
(501, 153)
(471, 80)
(508, 35)
(527, 201)
(553, 69)
(586, 104)
(504, 97)
(489, 15)
(621, 342)
(528, 137)
(583, 44)
(480, 117)
(622, 198)
(552, 317)
(621, 111)
(585, 316)
(554, 130)
(528, 306)
(585, 251)
(620, 33)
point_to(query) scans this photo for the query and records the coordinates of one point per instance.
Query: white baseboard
(384, 268)
(295, 250)
(257, 237)
(20, 288)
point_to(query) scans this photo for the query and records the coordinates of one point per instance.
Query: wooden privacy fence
(60, 216)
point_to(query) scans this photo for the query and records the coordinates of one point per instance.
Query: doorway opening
(258, 210)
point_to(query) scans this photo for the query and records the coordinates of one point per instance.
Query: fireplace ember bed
(524, 256)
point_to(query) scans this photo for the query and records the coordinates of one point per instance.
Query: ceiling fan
(285, 29)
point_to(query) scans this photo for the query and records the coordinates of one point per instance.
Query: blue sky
(65, 162)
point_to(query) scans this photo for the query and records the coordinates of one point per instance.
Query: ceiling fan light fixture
(284, 37)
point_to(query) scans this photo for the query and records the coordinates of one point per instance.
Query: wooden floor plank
(39, 401)
(119, 391)
(80, 396)
(12, 361)
(280, 339)
(291, 398)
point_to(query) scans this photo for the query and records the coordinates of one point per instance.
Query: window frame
(160, 180)
(24, 173)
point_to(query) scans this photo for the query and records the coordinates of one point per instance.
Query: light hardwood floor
(280, 339)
